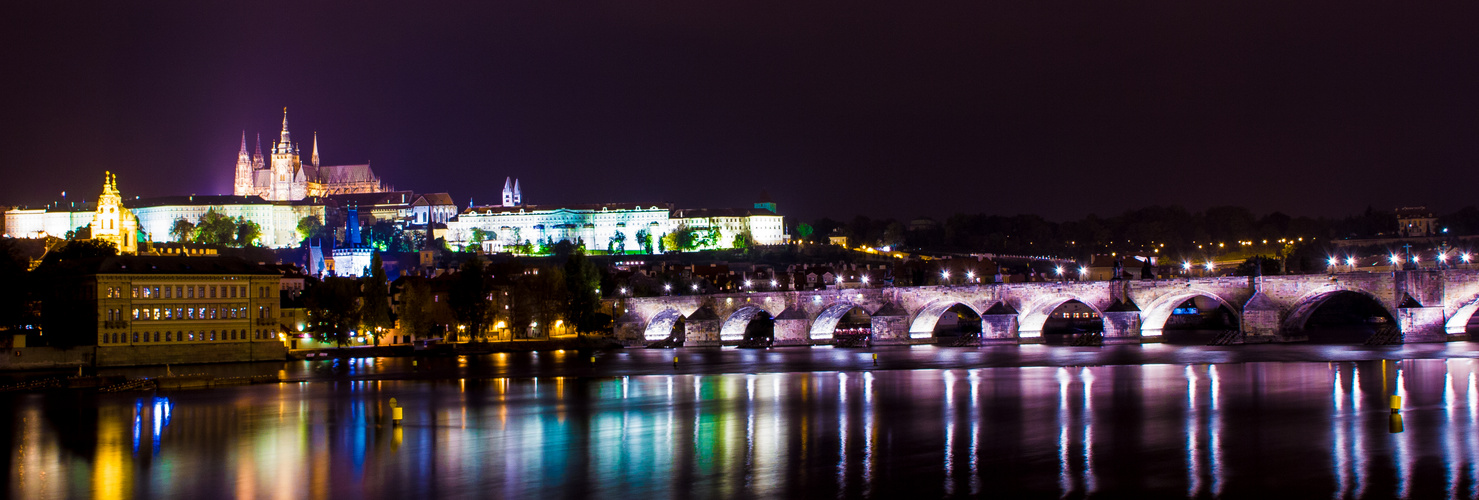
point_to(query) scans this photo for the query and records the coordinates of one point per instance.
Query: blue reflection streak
(841, 434)
(1065, 481)
(138, 423)
(1216, 432)
(949, 433)
(1450, 454)
(1473, 437)
(1342, 455)
(1353, 429)
(1091, 480)
(1193, 437)
(867, 434)
(975, 416)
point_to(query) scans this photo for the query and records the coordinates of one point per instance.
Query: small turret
(315, 149)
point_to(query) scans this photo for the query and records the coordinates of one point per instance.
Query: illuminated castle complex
(287, 178)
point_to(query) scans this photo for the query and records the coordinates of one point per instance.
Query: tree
(644, 239)
(415, 317)
(83, 232)
(582, 280)
(309, 226)
(182, 230)
(804, 230)
(332, 309)
(682, 238)
(374, 310)
(13, 273)
(247, 232)
(469, 297)
(618, 243)
(215, 228)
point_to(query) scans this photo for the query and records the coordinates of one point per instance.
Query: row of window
(1087, 315)
(193, 336)
(188, 292)
(188, 313)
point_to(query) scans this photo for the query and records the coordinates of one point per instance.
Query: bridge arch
(1306, 305)
(734, 326)
(1458, 324)
(661, 325)
(923, 326)
(1034, 315)
(1153, 319)
(825, 323)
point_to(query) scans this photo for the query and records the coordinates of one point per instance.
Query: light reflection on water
(1193, 430)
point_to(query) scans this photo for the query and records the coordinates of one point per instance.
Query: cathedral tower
(243, 185)
(508, 192)
(284, 163)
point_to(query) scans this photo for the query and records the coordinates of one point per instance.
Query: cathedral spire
(259, 144)
(285, 139)
(243, 143)
(315, 148)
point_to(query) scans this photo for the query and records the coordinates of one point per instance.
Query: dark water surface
(1248, 421)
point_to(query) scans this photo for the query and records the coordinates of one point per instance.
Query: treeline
(1177, 228)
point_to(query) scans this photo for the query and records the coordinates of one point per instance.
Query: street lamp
(772, 284)
(667, 287)
(1083, 273)
(945, 275)
(1331, 264)
(970, 276)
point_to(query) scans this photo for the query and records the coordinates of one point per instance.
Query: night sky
(890, 109)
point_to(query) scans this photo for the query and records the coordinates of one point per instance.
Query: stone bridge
(1428, 306)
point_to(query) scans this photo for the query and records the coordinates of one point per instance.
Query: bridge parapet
(1269, 309)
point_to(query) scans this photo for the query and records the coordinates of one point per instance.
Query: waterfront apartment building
(157, 310)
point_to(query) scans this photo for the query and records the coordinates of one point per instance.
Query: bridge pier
(1122, 327)
(999, 329)
(1422, 324)
(701, 329)
(792, 328)
(891, 326)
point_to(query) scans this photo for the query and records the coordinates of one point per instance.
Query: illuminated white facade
(595, 226)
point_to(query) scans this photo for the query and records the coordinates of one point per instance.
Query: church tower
(112, 222)
(284, 163)
(508, 192)
(315, 149)
(518, 196)
(243, 185)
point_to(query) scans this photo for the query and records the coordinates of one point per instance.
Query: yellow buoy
(1396, 404)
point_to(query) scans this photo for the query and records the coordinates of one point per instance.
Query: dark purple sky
(884, 108)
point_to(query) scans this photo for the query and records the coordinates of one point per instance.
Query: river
(1150, 421)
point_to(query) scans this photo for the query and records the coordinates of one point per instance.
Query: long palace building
(279, 190)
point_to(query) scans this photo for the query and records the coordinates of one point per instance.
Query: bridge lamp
(623, 291)
(1083, 271)
(1331, 261)
(1442, 257)
(1060, 270)
(1393, 259)
(667, 287)
(772, 283)
(970, 275)
(864, 279)
(1464, 257)
(1415, 259)
(1185, 266)
(695, 287)
(1350, 261)
(945, 274)
(747, 283)
(1208, 266)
